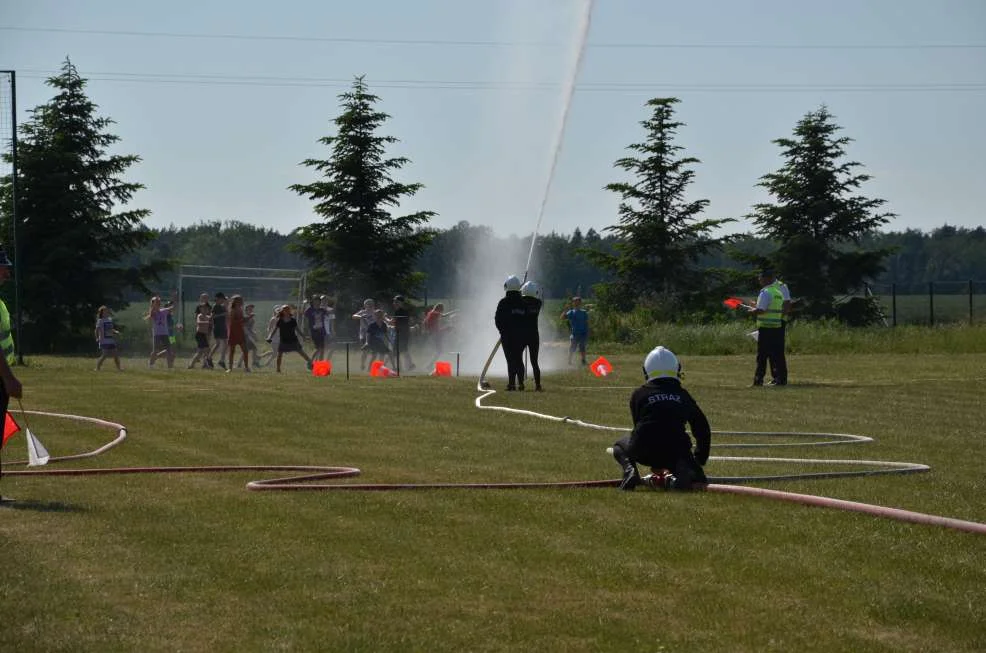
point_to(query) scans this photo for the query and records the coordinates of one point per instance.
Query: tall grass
(634, 330)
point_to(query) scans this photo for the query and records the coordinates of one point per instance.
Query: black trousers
(513, 352)
(533, 344)
(770, 349)
(660, 453)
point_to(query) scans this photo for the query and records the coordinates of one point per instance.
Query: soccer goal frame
(233, 273)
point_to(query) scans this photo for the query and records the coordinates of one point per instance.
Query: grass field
(195, 562)
(917, 309)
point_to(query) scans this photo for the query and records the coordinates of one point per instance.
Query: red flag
(733, 302)
(9, 428)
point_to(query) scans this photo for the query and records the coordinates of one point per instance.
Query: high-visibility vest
(773, 317)
(6, 336)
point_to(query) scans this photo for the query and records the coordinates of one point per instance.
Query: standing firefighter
(773, 304)
(660, 409)
(511, 315)
(9, 385)
(532, 338)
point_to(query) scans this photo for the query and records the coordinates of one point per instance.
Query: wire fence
(932, 303)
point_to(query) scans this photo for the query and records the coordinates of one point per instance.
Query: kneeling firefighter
(661, 408)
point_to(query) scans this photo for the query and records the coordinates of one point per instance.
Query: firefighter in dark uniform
(660, 409)
(511, 316)
(532, 338)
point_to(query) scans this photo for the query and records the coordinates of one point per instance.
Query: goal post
(274, 285)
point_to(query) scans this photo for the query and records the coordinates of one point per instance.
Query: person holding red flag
(9, 385)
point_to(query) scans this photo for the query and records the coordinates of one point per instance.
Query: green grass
(195, 562)
(728, 338)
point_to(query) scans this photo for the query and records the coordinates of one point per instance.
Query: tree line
(80, 244)
(947, 255)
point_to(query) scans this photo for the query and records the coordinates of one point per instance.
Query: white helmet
(661, 363)
(512, 283)
(530, 289)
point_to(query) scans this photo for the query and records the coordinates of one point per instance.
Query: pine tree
(661, 235)
(360, 249)
(815, 220)
(71, 243)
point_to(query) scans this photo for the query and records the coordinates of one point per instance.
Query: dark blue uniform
(511, 319)
(660, 409)
(531, 337)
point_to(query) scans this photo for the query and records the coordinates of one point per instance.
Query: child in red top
(236, 335)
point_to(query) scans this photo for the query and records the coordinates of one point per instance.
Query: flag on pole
(37, 455)
(10, 427)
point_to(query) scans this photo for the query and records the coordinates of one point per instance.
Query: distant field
(916, 309)
(195, 562)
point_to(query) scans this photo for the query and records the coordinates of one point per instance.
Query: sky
(222, 100)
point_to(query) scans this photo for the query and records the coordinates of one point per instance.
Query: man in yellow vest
(773, 304)
(9, 385)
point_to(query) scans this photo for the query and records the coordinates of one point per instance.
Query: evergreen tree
(71, 244)
(360, 249)
(661, 236)
(815, 220)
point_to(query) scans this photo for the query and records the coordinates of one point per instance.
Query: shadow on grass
(39, 506)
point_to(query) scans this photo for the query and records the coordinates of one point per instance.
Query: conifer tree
(815, 219)
(360, 248)
(73, 237)
(661, 234)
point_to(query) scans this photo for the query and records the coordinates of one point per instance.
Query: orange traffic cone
(601, 367)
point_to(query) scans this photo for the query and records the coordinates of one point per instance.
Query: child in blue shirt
(578, 323)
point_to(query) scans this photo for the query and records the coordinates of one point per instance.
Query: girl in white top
(157, 315)
(106, 335)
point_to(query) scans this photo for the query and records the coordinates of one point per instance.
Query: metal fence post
(931, 303)
(970, 302)
(893, 302)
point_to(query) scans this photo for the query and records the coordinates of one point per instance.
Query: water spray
(585, 21)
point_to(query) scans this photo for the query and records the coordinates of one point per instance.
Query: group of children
(387, 338)
(230, 327)
(230, 323)
(235, 326)
(163, 329)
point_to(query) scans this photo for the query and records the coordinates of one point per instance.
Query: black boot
(631, 478)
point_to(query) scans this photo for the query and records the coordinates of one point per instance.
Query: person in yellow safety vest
(773, 305)
(9, 385)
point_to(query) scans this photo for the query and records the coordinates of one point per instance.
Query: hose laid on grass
(852, 506)
(718, 484)
(314, 473)
(305, 482)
